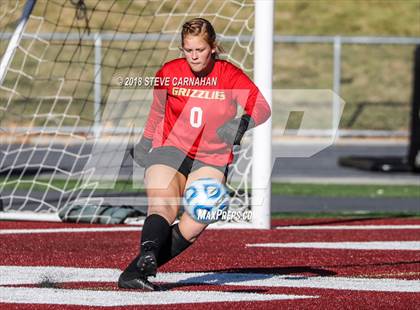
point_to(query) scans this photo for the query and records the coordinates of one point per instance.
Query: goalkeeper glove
(233, 131)
(140, 150)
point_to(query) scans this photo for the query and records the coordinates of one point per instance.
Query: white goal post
(14, 41)
(61, 140)
(263, 77)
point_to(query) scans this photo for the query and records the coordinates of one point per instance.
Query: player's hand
(140, 151)
(233, 131)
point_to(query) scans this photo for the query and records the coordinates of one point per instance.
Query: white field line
(67, 230)
(123, 298)
(18, 275)
(348, 227)
(368, 245)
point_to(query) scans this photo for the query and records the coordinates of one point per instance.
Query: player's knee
(164, 209)
(192, 236)
(192, 239)
(162, 202)
(190, 232)
(168, 216)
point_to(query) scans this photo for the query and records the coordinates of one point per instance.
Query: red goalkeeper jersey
(187, 110)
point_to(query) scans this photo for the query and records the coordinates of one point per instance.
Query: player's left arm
(256, 110)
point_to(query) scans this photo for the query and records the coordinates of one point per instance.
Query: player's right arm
(157, 109)
(156, 115)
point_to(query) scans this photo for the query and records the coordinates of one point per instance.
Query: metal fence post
(336, 84)
(97, 74)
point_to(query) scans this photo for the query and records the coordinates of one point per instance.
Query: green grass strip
(68, 185)
(346, 190)
(286, 189)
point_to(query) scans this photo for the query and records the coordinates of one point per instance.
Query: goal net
(74, 99)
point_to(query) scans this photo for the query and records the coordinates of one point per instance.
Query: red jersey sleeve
(250, 98)
(157, 109)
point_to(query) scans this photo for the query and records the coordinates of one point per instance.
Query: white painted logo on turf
(15, 275)
(123, 298)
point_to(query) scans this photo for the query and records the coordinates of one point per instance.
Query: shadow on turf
(238, 275)
(280, 271)
(169, 286)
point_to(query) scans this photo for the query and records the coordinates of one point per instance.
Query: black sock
(155, 232)
(175, 244)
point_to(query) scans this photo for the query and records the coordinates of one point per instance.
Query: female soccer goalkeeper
(188, 135)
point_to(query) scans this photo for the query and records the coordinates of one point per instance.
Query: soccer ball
(206, 200)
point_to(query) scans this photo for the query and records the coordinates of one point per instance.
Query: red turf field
(70, 269)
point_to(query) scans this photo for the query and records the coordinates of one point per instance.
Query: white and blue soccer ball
(205, 200)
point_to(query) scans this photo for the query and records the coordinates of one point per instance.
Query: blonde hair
(201, 27)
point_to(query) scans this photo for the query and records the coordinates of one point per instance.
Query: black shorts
(173, 157)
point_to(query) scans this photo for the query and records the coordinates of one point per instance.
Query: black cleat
(136, 281)
(147, 263)
(133, 278)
